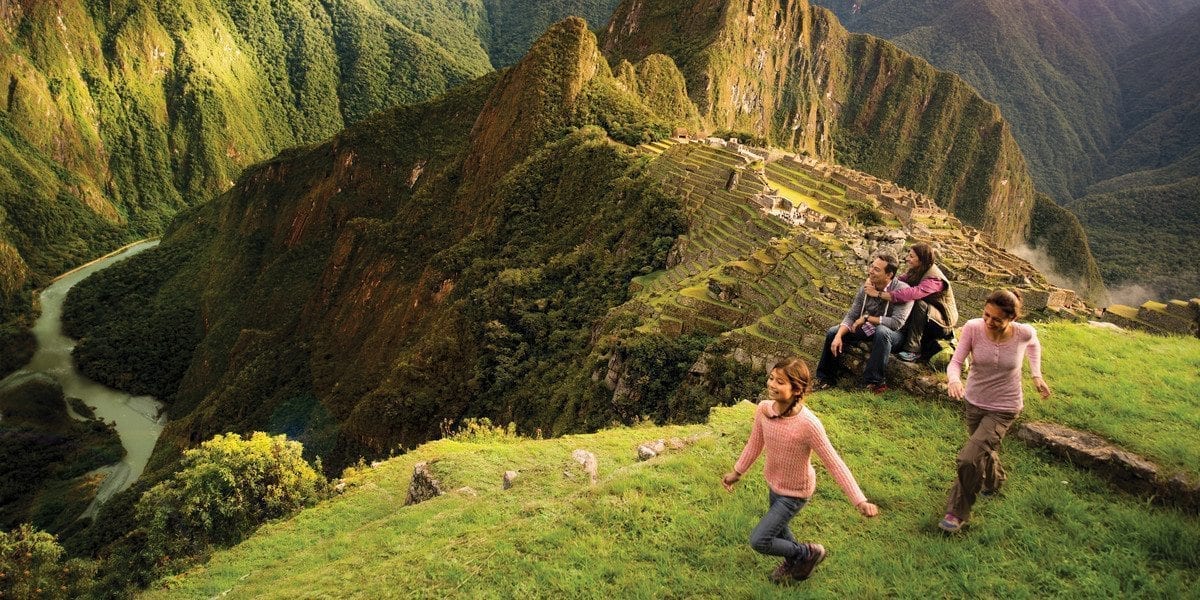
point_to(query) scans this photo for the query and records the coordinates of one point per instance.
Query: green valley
(118, 115)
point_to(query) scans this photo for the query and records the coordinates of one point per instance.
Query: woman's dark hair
(797, 373)
(924, 254)
(1008, 301)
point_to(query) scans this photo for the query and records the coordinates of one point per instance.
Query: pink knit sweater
(994, 381)
(790, 442)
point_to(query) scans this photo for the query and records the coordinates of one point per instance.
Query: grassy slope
(665, 528)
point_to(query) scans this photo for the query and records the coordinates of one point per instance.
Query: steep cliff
(114, 116)
(791, 74)
(357, 293)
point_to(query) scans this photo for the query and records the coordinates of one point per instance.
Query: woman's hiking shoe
(908, 356)
(803, 568)
(877, 388)
(950, 523)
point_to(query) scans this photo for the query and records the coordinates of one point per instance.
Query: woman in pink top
(790, 432)
(996, 344)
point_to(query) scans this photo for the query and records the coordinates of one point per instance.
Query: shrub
(31, 566)
(225, 489)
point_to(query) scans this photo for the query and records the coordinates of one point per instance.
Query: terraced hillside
(778, 245)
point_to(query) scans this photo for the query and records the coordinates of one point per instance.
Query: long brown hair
(1008, 301)
(798, 374)
(926, 257)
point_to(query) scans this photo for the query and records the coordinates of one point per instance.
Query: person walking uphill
(993, 397)
(790, 432)
(870, 318)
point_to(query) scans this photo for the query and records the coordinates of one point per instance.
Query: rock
(588, 461)
(467, 491)
(423, 485)
(644, 452)
(1122, 468)
(510, 477)
(339, 487)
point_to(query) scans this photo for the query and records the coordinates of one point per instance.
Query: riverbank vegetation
(48, 456)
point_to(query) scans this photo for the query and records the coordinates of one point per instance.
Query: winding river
(137, 418)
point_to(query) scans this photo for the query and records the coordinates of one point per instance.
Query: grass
(1139, 390)
(665, 528)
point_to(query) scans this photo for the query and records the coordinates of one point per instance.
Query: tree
(225, 489)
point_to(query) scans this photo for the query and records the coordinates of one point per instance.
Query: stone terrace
(773, 254)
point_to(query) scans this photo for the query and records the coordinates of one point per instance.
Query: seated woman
(934, 313)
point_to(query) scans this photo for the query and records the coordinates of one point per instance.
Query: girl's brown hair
(1008, 301)
(925, 255)
(797, 373)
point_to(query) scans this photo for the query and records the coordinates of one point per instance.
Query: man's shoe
(877, 388)
(908, 356)
(804, 568)
(821, 384)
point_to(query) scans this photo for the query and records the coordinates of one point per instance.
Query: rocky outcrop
(1122, 468)
(424, 486)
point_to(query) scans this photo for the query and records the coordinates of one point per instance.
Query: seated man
(870, 318)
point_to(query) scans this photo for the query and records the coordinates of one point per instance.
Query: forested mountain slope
(116, 115)
(1143, 217)
(1095, 90)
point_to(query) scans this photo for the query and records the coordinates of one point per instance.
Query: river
(138, 419)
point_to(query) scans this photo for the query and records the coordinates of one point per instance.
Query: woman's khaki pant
(979, 461)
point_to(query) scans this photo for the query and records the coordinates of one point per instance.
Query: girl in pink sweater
(996, 344)
(790, 432)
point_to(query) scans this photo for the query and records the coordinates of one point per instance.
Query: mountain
(1034, 59)
(793, 76)
(114, 117)
(1096, 90)
(472, 256)
(1143, 215)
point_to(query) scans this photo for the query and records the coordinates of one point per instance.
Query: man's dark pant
(881, 347)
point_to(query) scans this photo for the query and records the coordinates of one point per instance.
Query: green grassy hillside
(666, 528)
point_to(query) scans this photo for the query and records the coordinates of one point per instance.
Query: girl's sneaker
(783, 572)
(950, 523)
(804, 567)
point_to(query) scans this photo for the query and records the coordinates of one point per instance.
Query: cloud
(1132, 294)
(1042, 262)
